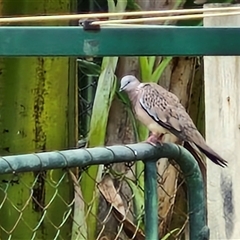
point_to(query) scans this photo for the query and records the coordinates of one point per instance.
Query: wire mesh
(50, 204)
(86, 92)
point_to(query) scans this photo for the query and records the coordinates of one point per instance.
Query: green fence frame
(109, 41)
(133, 152)
(124, 41)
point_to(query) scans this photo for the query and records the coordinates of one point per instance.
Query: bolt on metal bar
(128, 153)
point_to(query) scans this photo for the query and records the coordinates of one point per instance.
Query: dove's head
(129, 83)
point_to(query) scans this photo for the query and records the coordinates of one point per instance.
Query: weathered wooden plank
(222, 105)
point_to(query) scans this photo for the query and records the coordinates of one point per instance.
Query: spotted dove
(162, 113)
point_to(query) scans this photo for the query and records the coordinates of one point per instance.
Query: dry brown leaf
(109, 192)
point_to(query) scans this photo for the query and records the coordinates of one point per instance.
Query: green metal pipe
(128, 153)
(196, 197)
(151, 200)
(85, 157)
(170, 41)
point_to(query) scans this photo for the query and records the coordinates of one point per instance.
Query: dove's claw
(154, 140)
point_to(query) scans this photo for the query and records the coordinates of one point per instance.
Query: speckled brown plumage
(162, 112)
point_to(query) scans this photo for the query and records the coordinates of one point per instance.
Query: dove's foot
(154, 140)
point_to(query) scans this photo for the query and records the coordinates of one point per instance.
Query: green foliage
(168, 235)
(89, 68)
(150, 72)
(191, 4)
(120, 6)
(138, 201)
(132, 6)
(98, 125)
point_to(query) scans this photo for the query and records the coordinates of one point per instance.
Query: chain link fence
(49, 204)
(86, 92)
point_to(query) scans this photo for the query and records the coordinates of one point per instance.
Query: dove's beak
(122, 88)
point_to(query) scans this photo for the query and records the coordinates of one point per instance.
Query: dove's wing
(164, 108)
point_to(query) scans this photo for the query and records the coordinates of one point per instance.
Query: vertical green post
(151, 201)
(35, 117)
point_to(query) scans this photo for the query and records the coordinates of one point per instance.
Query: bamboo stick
(152, 19)
(103, 15)
(127, 25)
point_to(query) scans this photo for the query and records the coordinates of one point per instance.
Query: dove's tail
(197, 154)
(213, 156)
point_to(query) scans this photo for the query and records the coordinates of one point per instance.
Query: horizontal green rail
(109, 41)
(128, 153)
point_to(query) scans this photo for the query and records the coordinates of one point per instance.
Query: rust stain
(39, 92)
(40, 135)
(39, 192)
